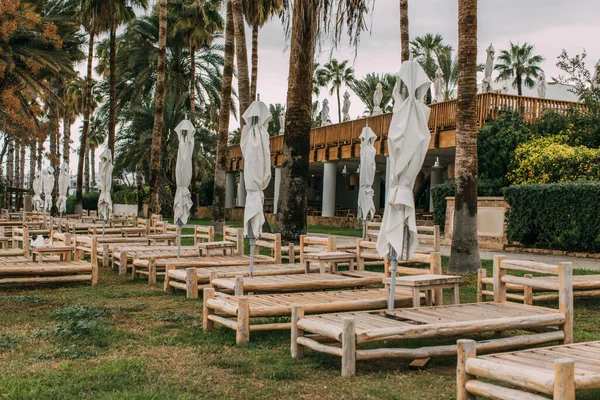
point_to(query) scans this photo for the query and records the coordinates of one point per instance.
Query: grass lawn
(126, 340)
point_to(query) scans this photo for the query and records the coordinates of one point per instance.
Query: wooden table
(332, 258)
(429, 283)
(225, 247)
(64, 252)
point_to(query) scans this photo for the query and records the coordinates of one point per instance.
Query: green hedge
(562, 216)
(90, 202)
(126, 196)
(448, 188)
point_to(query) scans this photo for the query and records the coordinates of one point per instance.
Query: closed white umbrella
(257, 169)
(183, 175)
(104, 201)
(64, 179)
(408, 141)
(48, 184)
(38, 203)
(489, 68)
(366, 207)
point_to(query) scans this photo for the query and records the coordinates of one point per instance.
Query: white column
(437, 177)
(377, 190)
(387, 177)
(241, 192)
(230, 190)
(329, 175)
(277, 185)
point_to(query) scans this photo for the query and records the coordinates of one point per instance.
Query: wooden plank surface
(297, 282)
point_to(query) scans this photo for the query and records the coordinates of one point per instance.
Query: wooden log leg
(348, 347)
(481, 274)
(238, 289)
(134, 269)
(565, 298)
(123, 263)
(105, 255)
(466, 349)
(191, 283)
(322, 266)
(456, 294)
(291, 253)
(242, 334)
(428, 297)
(296, 349)
(528, 292)
(564, 379)
(207, 324)
(167, 287)
(94, 274)
(152, 271)
(436, 269)
(416, 297)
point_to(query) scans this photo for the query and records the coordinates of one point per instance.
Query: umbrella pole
(393, 256)
(364, 226)
(103, 226)
(252, 243)
(60, 223)
(179, 226)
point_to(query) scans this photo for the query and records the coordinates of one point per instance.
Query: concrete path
(578, 262)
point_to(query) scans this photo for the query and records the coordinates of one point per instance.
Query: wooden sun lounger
(298, 282)
(156, 266)
(49, 272)
(10, 260)
(124, 257)
(237, 312)
(558, 371)
(538, 288)
(11, 253)
(542, 324)
(192, 279)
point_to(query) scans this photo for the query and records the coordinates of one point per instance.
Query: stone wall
(491, 223)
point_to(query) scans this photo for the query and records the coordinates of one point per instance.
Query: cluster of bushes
(560, 216)
(89, 202)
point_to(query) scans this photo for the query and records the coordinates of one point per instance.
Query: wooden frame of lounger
(104, 245)
(239, 312)
(123, 257)
(203, 234)
(123, 231)
(557, 371)
(539, 288)
(315, 244)
(350, 330)
(235, 235)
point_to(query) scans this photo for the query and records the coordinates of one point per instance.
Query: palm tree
(257, 13)
(155, 155)
(464, 256)
(337, 74)
(404, 37)
(274, 126)
(365, 88)
(97, 136)
(241, 56)
(218, 207)
(519, 64)
(309, 18)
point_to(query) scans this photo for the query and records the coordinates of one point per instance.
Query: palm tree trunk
(67, 122)
(87, 170)
(464, 256)
(254, 78)
(40, 152)
(10, 163)
(86, 128)
(218, 206)
(193, 80)
(112, 104)
(139, 179)
(291, 217)
(17, 160)
(23, 149)
(404, 37)
(241, 55)
(155, 155)
(93, 167)
(339, 105)
(32, 163)
(519, 84)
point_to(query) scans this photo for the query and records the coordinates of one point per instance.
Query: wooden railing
(339, 141)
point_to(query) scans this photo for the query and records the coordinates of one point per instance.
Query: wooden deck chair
(315, 244)
(204, 233)
(235, 235)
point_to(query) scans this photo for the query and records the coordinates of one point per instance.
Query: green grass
(126, 340)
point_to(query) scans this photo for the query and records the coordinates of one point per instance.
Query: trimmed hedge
(448, 188)
(90, 202)
(562, 216)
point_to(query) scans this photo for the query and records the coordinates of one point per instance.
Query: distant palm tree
(257, 13)
(274, 126)
(96, 136)
(337, 74)
(519, 64)
(365, 88)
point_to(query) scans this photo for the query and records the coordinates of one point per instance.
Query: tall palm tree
(519, 64)
(337, 74)
(309, 18)
(155, 155)
(257, 13)
(241, 56)
(464, 255)
(96, 137)
(404, 37)
(365, 88)
(218, 207)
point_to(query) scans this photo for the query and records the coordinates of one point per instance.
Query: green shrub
(90, 202)
(448, 188)
(561, 216)
(126, 196)
(552, 160)
(205, 192)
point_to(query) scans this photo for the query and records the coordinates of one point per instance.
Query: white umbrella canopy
(366, 207)
(64, 179)
(105, 201)
(257, 164)
(183, 172)
(38, 203)
(408, 141)
(48, 184)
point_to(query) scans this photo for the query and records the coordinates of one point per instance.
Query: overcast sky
(550, 25)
